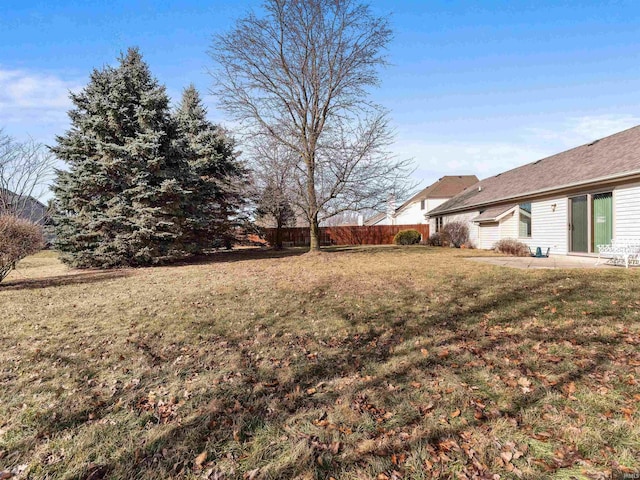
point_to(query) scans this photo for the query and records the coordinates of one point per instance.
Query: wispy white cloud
(435, 159)
(577, 131)
(34, 103)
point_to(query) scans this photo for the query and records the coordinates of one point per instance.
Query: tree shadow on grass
(239, 255)
(255, 399)
(242, 409)
(93, 276)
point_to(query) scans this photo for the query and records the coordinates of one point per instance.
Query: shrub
(511, 246)
(435, 240)
(407, 237)
(456, 233)
(18, 238)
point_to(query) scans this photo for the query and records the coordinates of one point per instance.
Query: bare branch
(26, 169)
(299, 76)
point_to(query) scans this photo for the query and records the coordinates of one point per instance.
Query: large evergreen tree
(217, 177)
(121, 201)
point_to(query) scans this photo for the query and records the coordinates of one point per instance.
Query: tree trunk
(314, 230)
(278, 242)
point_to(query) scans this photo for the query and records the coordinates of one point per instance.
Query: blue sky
(472, 86)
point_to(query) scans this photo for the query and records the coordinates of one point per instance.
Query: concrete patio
(553, 261)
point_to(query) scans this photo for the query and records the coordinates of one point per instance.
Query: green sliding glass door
(602, 219)
(579, 224)
(590, 227)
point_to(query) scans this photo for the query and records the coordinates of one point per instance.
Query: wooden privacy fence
(345, 235)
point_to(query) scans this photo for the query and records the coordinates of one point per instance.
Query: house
(23, 206)
(413, 210)
(570, 202)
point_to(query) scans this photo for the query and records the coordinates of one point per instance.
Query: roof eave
(496, 218)
(634, 174)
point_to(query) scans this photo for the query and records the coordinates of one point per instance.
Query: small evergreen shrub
(407, 237)
(18, 238)
(456, 233)
(511, 246)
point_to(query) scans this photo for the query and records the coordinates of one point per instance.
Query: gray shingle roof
(616, 155)
(26, 207)
(445, 187)
(492, 214)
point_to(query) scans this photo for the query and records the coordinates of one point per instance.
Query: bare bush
(511, 246)
(18, 238)
(455, 233)
(435, 240)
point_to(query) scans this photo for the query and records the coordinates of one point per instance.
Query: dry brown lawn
(379, 362)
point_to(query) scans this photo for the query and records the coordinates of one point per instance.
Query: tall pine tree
(121, 201)
(217, 177)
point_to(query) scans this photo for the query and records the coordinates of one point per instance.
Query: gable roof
(445, 187)
(609, 158)
(494, 214)
(26, 207)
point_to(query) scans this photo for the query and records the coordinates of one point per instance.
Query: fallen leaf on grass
(506, 456)
(525, 384)
(455, 413)
(200, 459)
(542, 436)
(425, 409)
(251, 474)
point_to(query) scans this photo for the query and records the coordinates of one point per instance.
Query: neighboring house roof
(609, 158)
(27, 208)
(375, 219)
(445, 187)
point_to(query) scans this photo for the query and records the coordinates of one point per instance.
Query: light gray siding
(466, 217)
(489, 234)
(509, 225)
(549, 225)
(626, 207)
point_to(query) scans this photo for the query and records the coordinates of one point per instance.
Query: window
(422, 204)
(438, 224)
(524, 222)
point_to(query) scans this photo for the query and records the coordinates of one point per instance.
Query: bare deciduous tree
(26, 169)
(300, 76)
(272, 168)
